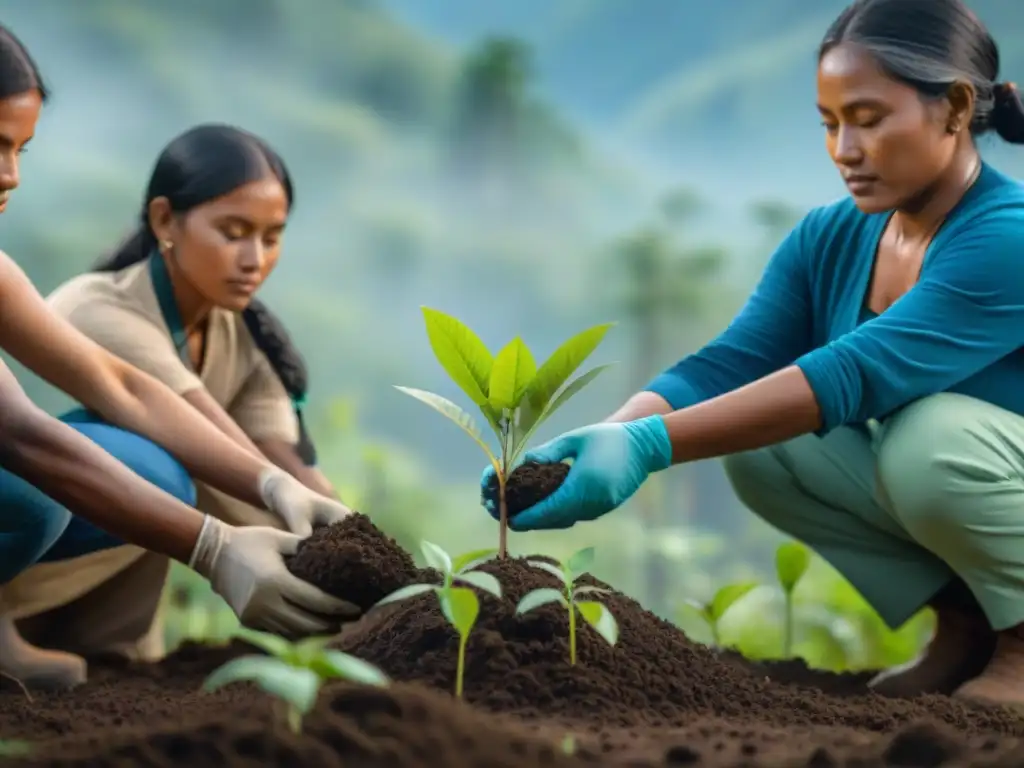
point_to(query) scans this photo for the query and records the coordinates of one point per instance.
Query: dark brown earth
(528, 483)
(655, 699)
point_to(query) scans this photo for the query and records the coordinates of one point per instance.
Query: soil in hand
(528, 484)
(353, 560)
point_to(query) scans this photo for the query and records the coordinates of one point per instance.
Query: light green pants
(937, 490)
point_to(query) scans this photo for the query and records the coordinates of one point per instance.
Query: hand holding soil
(246, 567)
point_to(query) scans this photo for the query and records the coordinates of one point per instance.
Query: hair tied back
(1008, 113)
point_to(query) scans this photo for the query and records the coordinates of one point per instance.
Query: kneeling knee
(26, 533)
(931, 454)
(749, 473)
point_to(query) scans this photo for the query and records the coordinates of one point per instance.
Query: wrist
(650, 435)
(211, 540)
(268, 482)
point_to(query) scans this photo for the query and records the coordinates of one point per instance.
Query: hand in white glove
(300, 508)
(246, 567)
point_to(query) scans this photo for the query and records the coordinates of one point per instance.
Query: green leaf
(463, 608)
(272, 644)
(601, 619)
(580, 561)
(461, 353)
(702, 610)
(14, 748)
(472, 559)
(726, 596)
(481, 580)
(436, 557)
(346, 667)
(557, 369)
(297, 686)
(563, 397)
(446, 407)
(539, 597)
(305, 651)
(554, 570)
(791, 562)
(412, 590)
(512, 372)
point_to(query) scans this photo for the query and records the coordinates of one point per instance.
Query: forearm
(778, 407)
(150, 408)
(639, 406)
(73, 470)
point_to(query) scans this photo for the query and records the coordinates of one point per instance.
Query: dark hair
(200, 165)
(930, 45)
(18, 71)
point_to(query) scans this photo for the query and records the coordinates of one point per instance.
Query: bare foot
(1002, 681)
(36, 667)
(960, 650)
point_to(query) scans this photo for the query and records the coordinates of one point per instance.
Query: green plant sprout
(460, 605)
(293, 672)
(14, 748)
(723, 600)
(792, 560)
(594, 613)
(514, 395)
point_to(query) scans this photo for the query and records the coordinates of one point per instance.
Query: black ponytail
(201, 165)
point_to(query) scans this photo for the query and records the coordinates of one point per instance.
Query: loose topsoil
(655, 699)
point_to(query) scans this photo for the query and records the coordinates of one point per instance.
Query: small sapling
(512, 393)
(722, 601)
(594, 613)
(792, 560)
(293, 672)
(459, 604)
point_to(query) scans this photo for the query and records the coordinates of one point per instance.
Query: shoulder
(105, 299)
(990, 218)
(834, 223)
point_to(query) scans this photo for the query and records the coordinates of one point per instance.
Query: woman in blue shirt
(869, 397)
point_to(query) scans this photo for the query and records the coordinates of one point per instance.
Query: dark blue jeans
(35, 529)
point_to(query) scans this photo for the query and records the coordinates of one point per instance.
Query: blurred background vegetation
(532, 167)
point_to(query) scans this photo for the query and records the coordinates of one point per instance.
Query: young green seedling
(596, 614)
(791, 563)
(459, 605)
(14, 748)
(722, 601)
(293, 672)
(514, 395)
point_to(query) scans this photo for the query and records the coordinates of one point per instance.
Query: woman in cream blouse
(176, 300)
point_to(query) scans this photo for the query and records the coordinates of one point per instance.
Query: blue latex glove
(610, 463)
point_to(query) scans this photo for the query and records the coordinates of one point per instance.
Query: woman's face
(889, 144)
(18, 117)
(226, 248)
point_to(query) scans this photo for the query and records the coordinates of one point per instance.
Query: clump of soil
(353, 560)
(528, 484)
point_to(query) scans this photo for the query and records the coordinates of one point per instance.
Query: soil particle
(528, 484)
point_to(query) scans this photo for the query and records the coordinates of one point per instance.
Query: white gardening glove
(300, 508)
(246, 567)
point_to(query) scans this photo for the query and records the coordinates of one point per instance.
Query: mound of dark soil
(353, 560)
(654, 676)
(528, 483)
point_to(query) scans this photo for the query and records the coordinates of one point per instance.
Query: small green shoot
(14, 748)
(293, 672)
(722, 601)
(568, 745)
(792, 560)
(514, 395)
(460, 605)
(594, 613)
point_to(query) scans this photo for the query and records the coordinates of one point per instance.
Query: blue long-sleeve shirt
(959, 329)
